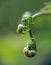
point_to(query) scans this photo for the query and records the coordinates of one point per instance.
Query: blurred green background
(12, 44)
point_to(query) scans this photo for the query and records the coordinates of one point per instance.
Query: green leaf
(47, 6)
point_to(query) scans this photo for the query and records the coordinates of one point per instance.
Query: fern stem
(41, 13)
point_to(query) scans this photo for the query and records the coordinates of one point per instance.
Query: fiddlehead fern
(31, 49)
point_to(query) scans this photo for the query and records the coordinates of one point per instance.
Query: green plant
(26, 25)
